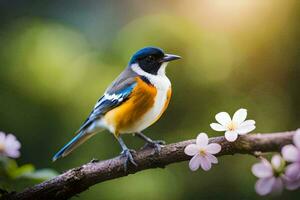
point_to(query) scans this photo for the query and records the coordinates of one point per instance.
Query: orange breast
(139, 102)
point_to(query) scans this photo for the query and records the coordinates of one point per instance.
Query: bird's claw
(128, 158)
(161, 142)
(156, 144)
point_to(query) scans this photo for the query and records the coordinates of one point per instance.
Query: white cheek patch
(137, 69)
(162, 69)
(160, 81)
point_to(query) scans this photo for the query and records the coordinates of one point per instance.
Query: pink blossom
(291, 153)
(9, 145)
(271, 178)
(202, 153)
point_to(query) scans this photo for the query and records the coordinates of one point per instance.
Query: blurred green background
(57, 57)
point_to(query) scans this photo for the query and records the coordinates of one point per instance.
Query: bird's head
(151, 60)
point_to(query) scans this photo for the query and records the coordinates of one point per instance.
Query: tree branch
(76, 180)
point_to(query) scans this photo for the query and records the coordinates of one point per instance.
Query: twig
(79, 179)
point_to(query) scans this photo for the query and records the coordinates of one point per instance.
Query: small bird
(134, 101)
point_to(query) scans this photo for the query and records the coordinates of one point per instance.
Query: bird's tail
(80, 138)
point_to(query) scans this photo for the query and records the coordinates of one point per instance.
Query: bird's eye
(150, 58)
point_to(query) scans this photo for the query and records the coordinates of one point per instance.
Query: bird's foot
(156, 144)
(128, 158)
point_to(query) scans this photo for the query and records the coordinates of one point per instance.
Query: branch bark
(79, 179)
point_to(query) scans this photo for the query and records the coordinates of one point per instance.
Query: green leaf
(23, 170)
(10, 165)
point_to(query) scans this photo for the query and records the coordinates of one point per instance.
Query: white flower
(271, 177)
(9, 145)
(235, 126)
(202, 153)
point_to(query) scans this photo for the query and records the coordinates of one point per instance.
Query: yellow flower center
(202, 152)
(231, 126)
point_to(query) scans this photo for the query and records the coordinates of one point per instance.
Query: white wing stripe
(110, 97)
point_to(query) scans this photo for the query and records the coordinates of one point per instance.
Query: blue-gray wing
(112, 98)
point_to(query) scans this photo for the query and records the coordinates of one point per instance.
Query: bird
(135, 100)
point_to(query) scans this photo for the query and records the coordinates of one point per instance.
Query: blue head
(150, 59)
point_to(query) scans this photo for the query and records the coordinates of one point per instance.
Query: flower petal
(248, 122)
(276, 161)
(240, 116)
(205, 163)
(12, 141)
(292, 184)
(277, 186)
(191, 149)
(231, 136)
(13, 153)
(194, 163)
(290, 153)
(202, 140)
(218, 127)
(211, 158)
(296, 138)
(243, 130)
(10, 145)
(213, 148)
(293, 171)
(264, 185)
(262, 170)
(2, 137)
(223, 118)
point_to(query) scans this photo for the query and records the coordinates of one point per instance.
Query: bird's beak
(169, 57)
